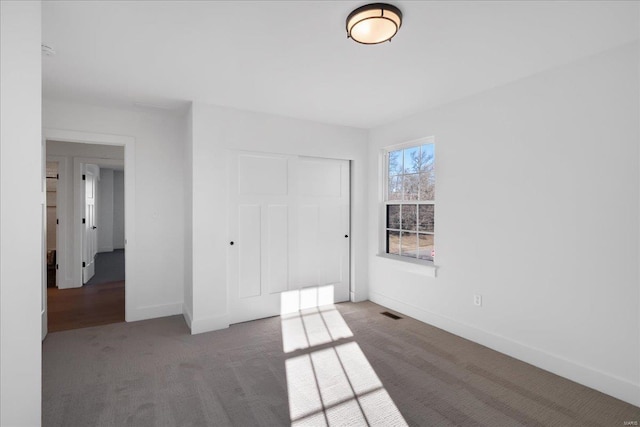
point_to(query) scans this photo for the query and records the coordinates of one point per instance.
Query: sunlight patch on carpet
(338, 386)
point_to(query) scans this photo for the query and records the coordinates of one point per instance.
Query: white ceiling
(293, 58)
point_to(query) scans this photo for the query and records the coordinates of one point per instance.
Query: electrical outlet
(477, 300)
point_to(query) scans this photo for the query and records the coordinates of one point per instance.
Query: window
(410, 200)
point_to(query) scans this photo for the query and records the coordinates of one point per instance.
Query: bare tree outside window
(410, 202)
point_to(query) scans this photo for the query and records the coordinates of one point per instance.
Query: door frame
(128, 142)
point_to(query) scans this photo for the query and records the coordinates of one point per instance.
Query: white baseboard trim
(105, 249)
(359, 296)
(153, 311)
(209, 324)
(188, 317)
(593, 378)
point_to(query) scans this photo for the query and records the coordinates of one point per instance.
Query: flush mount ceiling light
(374, 23)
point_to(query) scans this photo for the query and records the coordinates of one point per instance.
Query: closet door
(259, 247)
(288, 220)
(322, 216)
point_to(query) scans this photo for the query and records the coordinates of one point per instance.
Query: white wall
(537, 211)
(216, 130)
(157, 286)
(118, 210)
(104, 220)
(69, 274)
(21, 214)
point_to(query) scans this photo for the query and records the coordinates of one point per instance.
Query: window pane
(427, 186)
(409, 245)
(395, 188)
(393, 216)
(410, 187)
(395, 163)
(427, 172)
(426, 249)
(409, 217)
(412, 160)
(427, 157)
(393, 242)
(426, 218)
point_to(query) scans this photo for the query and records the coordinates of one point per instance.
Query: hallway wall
(118, 209)
(104, 217)
(110, 210)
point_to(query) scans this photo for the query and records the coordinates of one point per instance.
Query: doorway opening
(85, 235)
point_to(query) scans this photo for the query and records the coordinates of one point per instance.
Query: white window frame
(384, 202)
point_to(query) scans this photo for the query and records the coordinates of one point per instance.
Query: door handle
(94, 227)
(346, 236)
(231, 243)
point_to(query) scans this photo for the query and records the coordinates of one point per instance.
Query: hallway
(86, 306)
(99, 302)
(109, 268)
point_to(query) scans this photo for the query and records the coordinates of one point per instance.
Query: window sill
(425, 268)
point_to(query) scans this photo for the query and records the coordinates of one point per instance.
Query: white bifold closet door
(289, 229)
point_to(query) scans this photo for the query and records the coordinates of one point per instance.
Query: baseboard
(209, 324)
(153, 311)
(598, 380)
(358, 296)
(186, 313)
(105, 249)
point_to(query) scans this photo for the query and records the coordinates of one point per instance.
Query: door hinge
(84, 264)
(84, 177)
(56, 266)
(57, 176)
(84, 220)
(57, 221)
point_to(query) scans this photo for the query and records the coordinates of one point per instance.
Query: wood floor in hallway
(91, 305)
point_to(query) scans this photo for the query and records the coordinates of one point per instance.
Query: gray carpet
(347, 367)
(109, 267)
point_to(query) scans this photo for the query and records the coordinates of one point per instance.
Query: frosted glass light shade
(374, 23)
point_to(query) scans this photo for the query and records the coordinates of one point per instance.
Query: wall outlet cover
(477, 300)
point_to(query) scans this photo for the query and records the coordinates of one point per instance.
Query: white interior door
(89, 234)
(289, 226)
